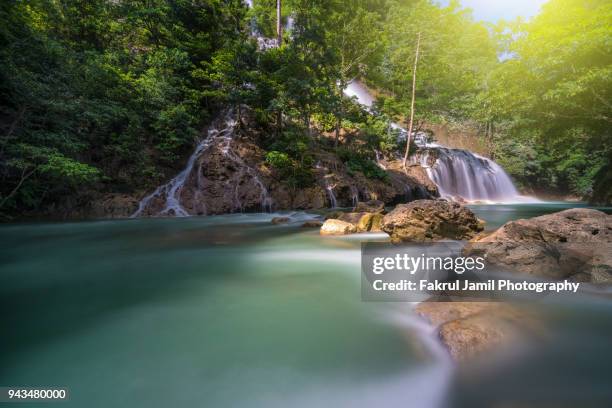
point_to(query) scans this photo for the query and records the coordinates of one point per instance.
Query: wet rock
(370, 222)
(471, 329)
(363, 221)
(574, 243)
(372, 206)
(280, 220)
(430, 220)
(337, 227)
(114, 206)
(352, 217)
(312, 224)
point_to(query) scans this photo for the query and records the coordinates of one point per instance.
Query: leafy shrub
(293, 173)
(358, 162)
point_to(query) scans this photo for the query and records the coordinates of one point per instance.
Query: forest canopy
(100, 96)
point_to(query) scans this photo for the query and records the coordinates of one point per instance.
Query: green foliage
(356, 161)
(107, 91)
(291, 172)
(553, 93)
(102, 94)
(63, 167)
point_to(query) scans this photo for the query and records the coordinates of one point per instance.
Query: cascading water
(330, 193)
(459, 174)
(329, 187)
(462, 174)
(220, 135)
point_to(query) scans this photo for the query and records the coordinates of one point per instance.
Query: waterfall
(220, 135)
(459, 174)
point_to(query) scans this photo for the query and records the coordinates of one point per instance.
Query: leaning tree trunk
(339, 113)
(414, 72)
(279, 24)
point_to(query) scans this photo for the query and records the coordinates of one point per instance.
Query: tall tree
(279, 23)
(414, 76)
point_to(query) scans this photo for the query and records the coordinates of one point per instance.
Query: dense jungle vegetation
(111, 95)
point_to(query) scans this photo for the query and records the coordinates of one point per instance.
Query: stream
(231, 310)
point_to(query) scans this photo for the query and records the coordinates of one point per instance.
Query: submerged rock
(280, 220)
(430, 220)
(312, 224)
(337, 227)
(573, 243)
(471, 329)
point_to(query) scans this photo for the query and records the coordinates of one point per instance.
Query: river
(234, 311)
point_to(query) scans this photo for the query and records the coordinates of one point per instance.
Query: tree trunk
(340, 112)
(279, 122)
(25, 174)
(279, 24)
(414, 72)
(337, 131)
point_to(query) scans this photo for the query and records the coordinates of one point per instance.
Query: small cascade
(330, 193)
(379, 160)
(329, 187)
(354, 196)
(221, 136)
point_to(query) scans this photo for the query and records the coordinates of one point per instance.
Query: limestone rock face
(573, 243)
(430, 220)
(113, 206)
(337, 227)
(228, 173)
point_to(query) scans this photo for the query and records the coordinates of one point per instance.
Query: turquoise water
(217, 311)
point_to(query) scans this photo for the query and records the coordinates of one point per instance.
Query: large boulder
(574, 243)
(337, 227)
(430, 220)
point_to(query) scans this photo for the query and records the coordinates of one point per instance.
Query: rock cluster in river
(575, 243)
(430, 220)
(356, 221)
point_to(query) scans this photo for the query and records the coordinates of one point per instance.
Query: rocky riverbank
(572, 244)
